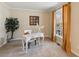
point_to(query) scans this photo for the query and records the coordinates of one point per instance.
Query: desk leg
(43, 40)
(39, 40)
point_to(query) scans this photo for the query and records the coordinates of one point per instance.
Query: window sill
(59, 36)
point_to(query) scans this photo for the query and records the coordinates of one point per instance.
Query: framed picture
(33, 20)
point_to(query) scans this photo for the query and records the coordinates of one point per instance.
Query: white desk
(34, 35)
(28, 38)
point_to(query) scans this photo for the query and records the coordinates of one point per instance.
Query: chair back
(27, 32)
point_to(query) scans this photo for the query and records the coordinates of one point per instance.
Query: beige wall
(75, 27)
(23, 17)
(4, 12)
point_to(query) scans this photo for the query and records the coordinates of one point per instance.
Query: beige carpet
(47, 49)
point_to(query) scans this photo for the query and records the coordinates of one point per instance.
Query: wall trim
(75, 53)
(3, 44)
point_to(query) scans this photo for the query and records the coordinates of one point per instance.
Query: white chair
(28, 39)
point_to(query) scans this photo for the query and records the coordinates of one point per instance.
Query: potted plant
(11, 24)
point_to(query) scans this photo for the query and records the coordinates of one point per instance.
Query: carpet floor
(47, 49)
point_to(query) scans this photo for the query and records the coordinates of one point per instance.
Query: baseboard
(75, 53)
(3, 44)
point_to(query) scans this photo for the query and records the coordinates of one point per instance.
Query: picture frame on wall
(33, 20)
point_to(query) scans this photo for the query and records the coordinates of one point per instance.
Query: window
(33, 20)
(58, 22)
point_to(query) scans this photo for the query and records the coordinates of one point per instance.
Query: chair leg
(23, 44)
(28, 45)
(35, 42)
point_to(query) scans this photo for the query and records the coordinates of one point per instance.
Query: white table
(28, 38)
(38, 34)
